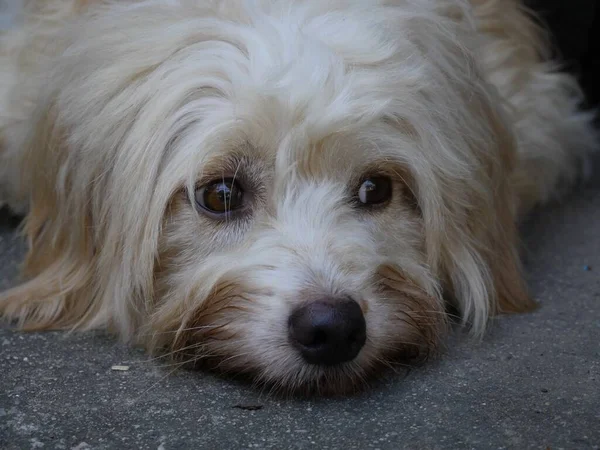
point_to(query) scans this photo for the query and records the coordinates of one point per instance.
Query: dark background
(575, 26)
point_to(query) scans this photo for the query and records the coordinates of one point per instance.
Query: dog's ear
(59, 267)
(478, 241)
(500, 237)
(500, 250)
(496, 244)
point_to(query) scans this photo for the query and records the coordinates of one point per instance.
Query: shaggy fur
(113, 112)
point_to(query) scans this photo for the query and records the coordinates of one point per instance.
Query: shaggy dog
(292, 189)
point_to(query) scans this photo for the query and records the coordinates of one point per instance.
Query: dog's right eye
(220, 197)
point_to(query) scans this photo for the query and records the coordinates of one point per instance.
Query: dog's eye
(375, 190)
(220, 196)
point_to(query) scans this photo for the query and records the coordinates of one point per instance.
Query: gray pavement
(534, 381)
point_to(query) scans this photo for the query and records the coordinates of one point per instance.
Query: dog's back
(28, 30)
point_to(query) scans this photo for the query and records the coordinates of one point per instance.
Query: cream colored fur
(112, 112)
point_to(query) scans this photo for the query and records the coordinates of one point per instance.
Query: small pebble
(544, 390)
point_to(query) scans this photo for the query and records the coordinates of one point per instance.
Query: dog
(297, 190)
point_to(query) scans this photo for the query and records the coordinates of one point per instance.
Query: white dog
(294, 189)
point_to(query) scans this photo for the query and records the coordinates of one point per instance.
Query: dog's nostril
(328, 332)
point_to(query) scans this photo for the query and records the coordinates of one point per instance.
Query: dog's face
(270, 192)
(300, 260)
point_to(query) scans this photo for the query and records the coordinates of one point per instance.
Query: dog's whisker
(135, 400)
(176, 351)
(232, 357)
(198, 328)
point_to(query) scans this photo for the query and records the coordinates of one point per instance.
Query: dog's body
(375, 155)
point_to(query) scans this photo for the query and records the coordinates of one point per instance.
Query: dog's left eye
(375, 190)
(220, 196)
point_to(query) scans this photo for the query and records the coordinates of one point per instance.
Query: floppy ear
(502, 255)
(59, 266)
(499, 250)
(501, 237)
(480, 250)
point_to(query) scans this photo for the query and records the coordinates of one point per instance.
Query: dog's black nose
(328, 332)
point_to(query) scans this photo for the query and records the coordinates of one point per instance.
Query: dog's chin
(301, 379)
(308, 380)
(405, 325)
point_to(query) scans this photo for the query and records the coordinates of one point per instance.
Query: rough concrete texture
(534, 382)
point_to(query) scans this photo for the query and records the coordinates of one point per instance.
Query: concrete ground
(534, 382)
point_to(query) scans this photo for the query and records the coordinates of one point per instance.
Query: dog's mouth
(325, 347)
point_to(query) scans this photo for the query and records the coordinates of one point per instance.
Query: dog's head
(285, 191)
